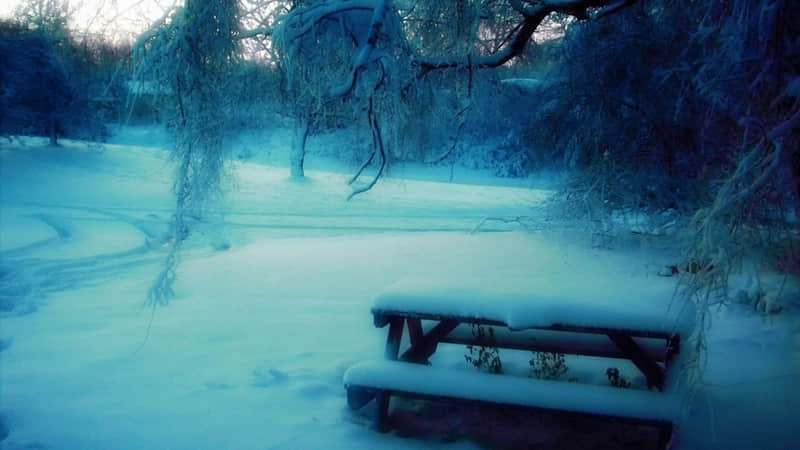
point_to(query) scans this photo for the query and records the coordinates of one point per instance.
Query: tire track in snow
(25, 278)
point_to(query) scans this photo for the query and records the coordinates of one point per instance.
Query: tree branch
(377, 142)
(363, 57)
(611, 9)
(247, 34)
(301, 21)
(533, 14)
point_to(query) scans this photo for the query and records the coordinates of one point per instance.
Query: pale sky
(113, 18)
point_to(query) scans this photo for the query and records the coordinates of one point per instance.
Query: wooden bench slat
(571, 343)
(415, 379)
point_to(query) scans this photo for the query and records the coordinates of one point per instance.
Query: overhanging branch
(533, 13)
(255, 32)
(363, 56)
(301, 21)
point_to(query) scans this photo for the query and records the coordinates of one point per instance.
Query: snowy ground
(273, 303)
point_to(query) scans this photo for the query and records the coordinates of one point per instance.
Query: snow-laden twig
(533, 14)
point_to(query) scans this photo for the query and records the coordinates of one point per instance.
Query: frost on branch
(190, 57)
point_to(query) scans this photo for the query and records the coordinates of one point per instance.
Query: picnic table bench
(528, 313)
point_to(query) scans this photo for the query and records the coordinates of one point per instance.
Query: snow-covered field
(273, 303)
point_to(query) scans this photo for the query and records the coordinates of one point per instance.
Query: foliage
(485, 355)
(745, 75)
(613, 116)
(616, 379)
(548, 365)
(690, 107)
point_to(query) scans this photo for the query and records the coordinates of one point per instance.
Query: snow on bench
(421, 380)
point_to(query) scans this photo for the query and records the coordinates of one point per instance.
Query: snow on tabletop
(558, 395)
(591, 300)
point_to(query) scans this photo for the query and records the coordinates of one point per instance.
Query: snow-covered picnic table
(608, 318)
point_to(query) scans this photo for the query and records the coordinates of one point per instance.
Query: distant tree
(49, 17)
(54, 85)
(35, 92)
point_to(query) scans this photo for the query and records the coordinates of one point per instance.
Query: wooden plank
(381, 315)
(382, 397)
(358, 396)
(381, 319)
(423, 380)
(393, 338)
(571, 343)
(650, 369)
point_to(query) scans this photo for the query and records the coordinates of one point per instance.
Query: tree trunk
(298, 154)
(53, 129)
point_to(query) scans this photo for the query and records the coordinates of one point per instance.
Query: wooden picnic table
(605, 321)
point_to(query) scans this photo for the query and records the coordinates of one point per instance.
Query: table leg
(665, 435)
(426, 345)
(650, 369)
(392, 350)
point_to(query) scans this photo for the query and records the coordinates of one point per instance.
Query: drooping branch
(377, 144)
(300, 21)
(363, 56)
(533, 13)
(255, 32)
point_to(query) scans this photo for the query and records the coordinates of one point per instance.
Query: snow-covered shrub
(548, 365)
(616, 379)
(484, 356)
